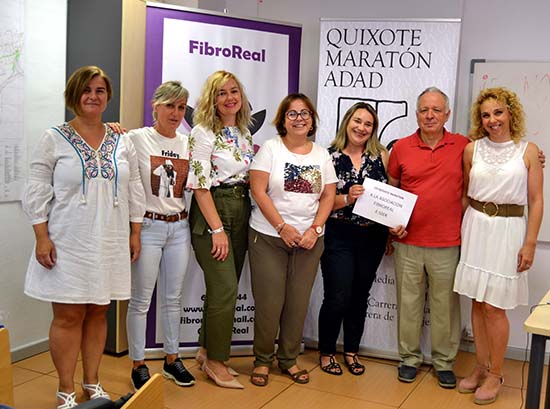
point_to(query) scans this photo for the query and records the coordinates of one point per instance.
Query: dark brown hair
(279, 120)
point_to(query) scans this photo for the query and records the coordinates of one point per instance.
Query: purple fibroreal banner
(188, 45)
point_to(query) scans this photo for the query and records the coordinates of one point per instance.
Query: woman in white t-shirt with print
(165, 237)
(293, 183)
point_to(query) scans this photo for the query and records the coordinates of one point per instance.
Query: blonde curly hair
(512, 103)
(206, 113)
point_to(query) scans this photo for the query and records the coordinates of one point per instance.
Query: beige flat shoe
(483, 397)
(474, 380)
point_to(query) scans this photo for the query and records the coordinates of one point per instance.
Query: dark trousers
(348, 265)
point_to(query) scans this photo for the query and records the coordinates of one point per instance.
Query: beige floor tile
(22, 375)
(206, 394)
(38, 393)
(298, 397)
(36, 382)
(378, 384)
(40, 363)
(429, 395)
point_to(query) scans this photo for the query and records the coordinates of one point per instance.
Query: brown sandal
(296, 375)
(255, 379)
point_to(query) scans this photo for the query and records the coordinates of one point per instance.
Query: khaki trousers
(282, 279)
(412, 265)
(221, 277)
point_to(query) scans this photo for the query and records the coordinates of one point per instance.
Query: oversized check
(385, 204)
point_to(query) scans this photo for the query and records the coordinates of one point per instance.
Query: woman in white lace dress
(502, 175)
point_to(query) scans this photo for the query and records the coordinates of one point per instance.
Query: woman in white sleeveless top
(502, 175)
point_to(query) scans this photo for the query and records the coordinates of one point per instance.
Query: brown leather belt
(170, 218)
(493, 209)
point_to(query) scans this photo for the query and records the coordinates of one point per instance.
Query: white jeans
(165, 249)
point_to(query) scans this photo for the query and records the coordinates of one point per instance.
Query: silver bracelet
(216, 231)
(346, 199)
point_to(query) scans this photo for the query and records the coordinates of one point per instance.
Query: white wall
(44, 65)
(492, 29)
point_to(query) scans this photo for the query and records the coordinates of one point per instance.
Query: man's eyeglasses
(293, 115)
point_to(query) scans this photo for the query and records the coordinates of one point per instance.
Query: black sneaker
(177, 372)
(406, 373)
(140, 376)
(447, 379)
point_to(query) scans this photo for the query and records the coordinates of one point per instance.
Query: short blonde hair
(206, 113)
(168, 93)
(510, 101)
(77, 83)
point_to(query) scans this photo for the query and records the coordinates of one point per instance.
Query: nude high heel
(200, 358)
(233, 383)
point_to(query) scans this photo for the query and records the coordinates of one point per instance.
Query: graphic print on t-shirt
(168, 176)
(302, 179)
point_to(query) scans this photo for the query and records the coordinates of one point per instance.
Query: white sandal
(94, 391)
(69, 400)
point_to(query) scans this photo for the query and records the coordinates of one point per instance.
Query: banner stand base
(190, 352)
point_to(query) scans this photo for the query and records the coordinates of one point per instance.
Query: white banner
(188, 46)
(386, 63)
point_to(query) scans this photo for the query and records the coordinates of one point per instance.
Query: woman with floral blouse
(221, 151)
(354, 246)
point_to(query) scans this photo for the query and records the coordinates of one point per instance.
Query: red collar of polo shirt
(417, 141)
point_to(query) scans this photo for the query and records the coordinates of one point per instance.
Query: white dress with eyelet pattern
(487, 270)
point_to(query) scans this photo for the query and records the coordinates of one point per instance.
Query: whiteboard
(531, 82)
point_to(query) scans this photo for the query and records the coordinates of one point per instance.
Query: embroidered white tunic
(88, 198)
(218, 159)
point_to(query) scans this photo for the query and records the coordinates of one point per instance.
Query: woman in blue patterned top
(354, 246)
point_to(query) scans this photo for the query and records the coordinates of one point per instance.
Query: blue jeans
(165, 250)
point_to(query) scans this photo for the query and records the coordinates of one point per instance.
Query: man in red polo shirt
(428, 163)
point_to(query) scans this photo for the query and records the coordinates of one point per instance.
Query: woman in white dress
(85, 201)
(502, 175)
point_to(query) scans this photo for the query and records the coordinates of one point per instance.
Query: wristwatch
(317, 229)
